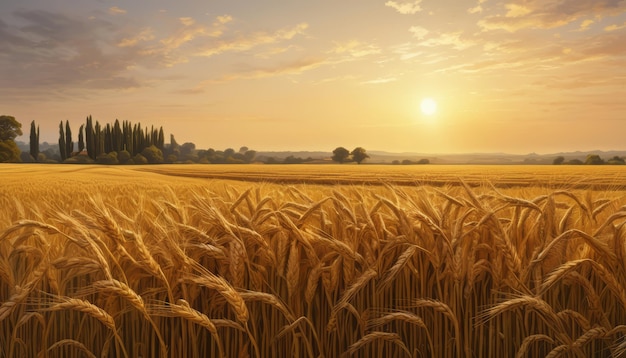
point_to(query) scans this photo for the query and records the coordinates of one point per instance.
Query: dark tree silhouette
(62, 145)
(340, 155)
(359, 155)
(34, 140)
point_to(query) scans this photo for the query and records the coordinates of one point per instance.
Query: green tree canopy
(153, 154)
(359, 154)
(9, 152)
(594, 159)
(340, 154)
(9, 128)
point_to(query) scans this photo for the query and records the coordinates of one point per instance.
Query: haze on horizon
(514, 76)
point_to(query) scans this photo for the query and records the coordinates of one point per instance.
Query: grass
(403, 261)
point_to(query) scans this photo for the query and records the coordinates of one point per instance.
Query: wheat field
(312, 261)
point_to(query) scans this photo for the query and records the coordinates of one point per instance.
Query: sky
(514, 76)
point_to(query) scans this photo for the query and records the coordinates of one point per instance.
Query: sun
(428, 106)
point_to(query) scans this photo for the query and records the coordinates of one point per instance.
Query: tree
(359, 155)
(9, 128)
(153, 154)
(62, 146)
(558, 160)
(594, 159)
(69, 145)
(34, 140)
(340, 155)
(249, 155)
(81, 138)
(9, 152)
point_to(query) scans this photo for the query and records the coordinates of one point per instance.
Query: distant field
(566, 176)
(598, 177)
(312, 260)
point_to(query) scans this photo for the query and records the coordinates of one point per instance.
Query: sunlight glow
(428, 106)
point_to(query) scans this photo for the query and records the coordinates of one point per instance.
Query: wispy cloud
(252, 72)
(116, 10)
(478, 8)
(355, 49)
(537, 14)
(381, 80)
(615, 27)
(405, 7)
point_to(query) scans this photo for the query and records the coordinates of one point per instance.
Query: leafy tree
(359, 155)
(123, 156)
(110, 158)
(558, 160)
(153, 154)
(34, 140)
(25, 157)
(249, 155)
(9, 152)
(229, 152)
(140, 159)
(594, 159)
(340, 155)
(188, 151)
(9, 128)
(616, 161)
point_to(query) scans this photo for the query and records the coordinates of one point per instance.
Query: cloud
(418, 32)
(116, 10)
(539, 14)
(452, 39)
(615, 27)
(405, 7)
(252, 72)
(355, 49)
(584, 26)
(381, 80)
(249, 41)
(478, 8)
(144, 35)
(52, 51)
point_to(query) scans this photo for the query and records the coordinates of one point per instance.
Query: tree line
(592, 159)
(128, 143)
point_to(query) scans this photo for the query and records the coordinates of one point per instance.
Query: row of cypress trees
(98, 139)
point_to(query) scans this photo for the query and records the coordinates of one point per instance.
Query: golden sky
(514, 76)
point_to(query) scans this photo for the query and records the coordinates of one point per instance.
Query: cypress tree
(81, 138)
(34, 141)
(98, 139)
(62, 146)
(69, 145)
(117, 137)
(89, 137)
(161, 139)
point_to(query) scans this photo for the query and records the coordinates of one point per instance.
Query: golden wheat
(123, 262)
